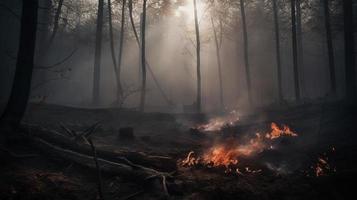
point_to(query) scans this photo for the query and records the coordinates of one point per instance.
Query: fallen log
(126, 169)
(161, 163)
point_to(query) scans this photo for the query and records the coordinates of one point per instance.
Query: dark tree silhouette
(246, 56)
(349, 50)
(98, 52)
(294, 46)
(112, 50)
(121, 42)
(143, 58)
(330, 48)
(56, 22)
(300, 49)
(218, 54)
(277, 47)
(198, 55)
(25, 63)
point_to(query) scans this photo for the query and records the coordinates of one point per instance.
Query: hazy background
(171, 55)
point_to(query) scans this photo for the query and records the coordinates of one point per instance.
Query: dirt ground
(285, 174)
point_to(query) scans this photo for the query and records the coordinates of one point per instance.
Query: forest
(178, 99)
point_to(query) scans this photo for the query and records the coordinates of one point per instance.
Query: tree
(121, 42)
(299, 39)
(198, 54)
(56, 23)
(111, 37)
(294, 46)
(349, 50)
(98, 52)
(143, 70)
(246, 56)
(330, 48)
(24, 66)
(218, 54)
(277, 47)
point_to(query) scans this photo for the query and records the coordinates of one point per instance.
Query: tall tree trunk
(349, 50)
(112, 50)
(121, 43)
(25, 62)
(56, 23)
(98, 52)
(169, 102)
(277, 47)
(143, 70)
(246, 56)
(294, 46)
(330, 48)
(300, 49)
(219, 65)
(198, 54)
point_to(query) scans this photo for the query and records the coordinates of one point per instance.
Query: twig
(99, 174)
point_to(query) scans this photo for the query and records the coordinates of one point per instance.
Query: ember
(276, 132)
(226, 154)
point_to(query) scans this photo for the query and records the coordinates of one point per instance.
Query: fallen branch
(161, 163)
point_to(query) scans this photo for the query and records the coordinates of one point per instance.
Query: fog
(171, 55)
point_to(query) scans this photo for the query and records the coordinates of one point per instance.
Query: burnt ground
(286, 173)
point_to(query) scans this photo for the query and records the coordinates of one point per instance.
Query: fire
(276, 132)
(217, 123)
(228, 153)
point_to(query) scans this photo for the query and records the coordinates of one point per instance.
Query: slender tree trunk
(246, 56)
(25, 62)
(219, 65)
(169, 102)
(111, 37)
(294, 46)
(121, 43)
(300, 49)
(98, 52)
(277, 47)
(143, 81)
(198, 54)
(56, 23)
(330, 48)
(349, 50)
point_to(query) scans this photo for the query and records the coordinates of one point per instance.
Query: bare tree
(25, 63)
(218, 54)
(111, 37)
(277, 47)
(330, 48)
(300, 48)
(98, 52)
(198, 54)
(246, 56)
(294, 46)
(143, 80)
(121, 42)
(350, 61)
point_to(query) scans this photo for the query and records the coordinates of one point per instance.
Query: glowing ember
(227, 154)
(276, 132)
(216, 124)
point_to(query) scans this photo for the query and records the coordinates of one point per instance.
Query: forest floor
(325, 130)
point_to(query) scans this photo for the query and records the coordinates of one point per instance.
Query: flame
(228, 153)
(276, 132)
(217, 123)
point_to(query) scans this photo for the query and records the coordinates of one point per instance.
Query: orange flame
(276, 132)
(228, 153)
